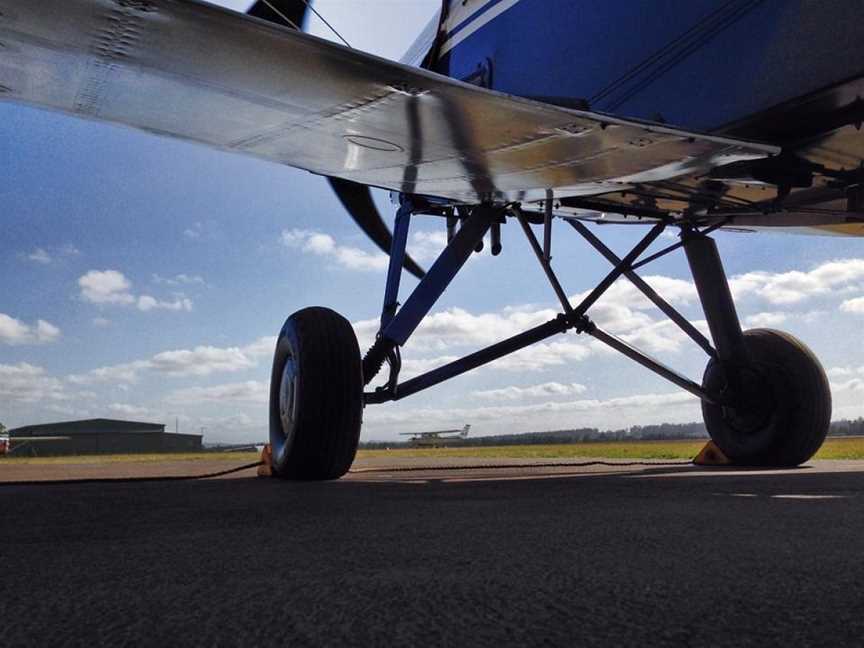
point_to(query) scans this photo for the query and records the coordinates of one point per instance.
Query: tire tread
(806, 397)
(327, 431)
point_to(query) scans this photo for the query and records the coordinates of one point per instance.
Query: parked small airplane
(692, 116)
(237, 447)
(434, 439)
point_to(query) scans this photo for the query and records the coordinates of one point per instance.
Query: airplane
(685, 117)
(432, 439)
(237, 447)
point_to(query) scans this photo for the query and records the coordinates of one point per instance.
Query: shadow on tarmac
(654, 556)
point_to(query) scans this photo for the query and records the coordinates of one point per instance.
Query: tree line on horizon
(658, 432)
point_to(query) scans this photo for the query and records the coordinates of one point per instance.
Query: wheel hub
(288, 397)
(752, 400)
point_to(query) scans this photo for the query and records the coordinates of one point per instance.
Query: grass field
(604, 449)
(834, 448)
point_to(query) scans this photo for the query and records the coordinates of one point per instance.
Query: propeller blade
(357, 200)
(280, 11)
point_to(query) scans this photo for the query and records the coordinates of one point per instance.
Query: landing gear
(778, 413)
(765, 397)
(316, 396)
(772, 402)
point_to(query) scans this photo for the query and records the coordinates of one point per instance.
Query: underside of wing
(190, 70)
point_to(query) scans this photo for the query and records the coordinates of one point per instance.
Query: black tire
(316, 396)
(783, 406)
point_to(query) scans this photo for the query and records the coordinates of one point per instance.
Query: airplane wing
(193, 71)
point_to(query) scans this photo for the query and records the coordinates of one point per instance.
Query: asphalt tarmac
(482, 556)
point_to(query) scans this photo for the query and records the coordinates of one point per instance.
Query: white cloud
(263, 347)
(324, 245)
(851, 385)
(238, 427)
(422, 246)
(538, 357)
(544, 355)
(456, 327)
(250, 391)
(813, 316)
(534, 391)
(624, 293)
(622, 311)
(148, 303)
(40, 255)
(118, 374)
(795, 286)
(46, 332)
(677, 402)
(101, 322)
(416, 366)
(200, 361)
(843, 372)
(27, 383)
(15, 332)
(846, 379)
(179, 280)
(847, 389)
(46, 256)
(124, 409)
(855, 306)
(426, 246)
(112, 287)
(106, 287)
(194, 232)
(765, 320)
(662, 336)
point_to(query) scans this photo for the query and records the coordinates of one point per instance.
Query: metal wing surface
(193, 71)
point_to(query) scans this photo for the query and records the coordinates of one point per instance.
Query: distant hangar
(99, 436)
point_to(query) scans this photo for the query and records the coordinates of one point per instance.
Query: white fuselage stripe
(480, 21)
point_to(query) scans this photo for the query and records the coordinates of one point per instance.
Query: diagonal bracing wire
(324, 20)
(313, 10)
(281, 15)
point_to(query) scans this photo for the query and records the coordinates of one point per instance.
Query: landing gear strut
(765, 397)
(774, 404)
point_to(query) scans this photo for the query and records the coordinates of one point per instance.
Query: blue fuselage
(698, 64)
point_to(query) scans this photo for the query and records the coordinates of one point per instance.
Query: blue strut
(397, 326)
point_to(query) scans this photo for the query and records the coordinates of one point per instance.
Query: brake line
(357, 471)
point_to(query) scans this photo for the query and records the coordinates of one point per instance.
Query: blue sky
(145, 279)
